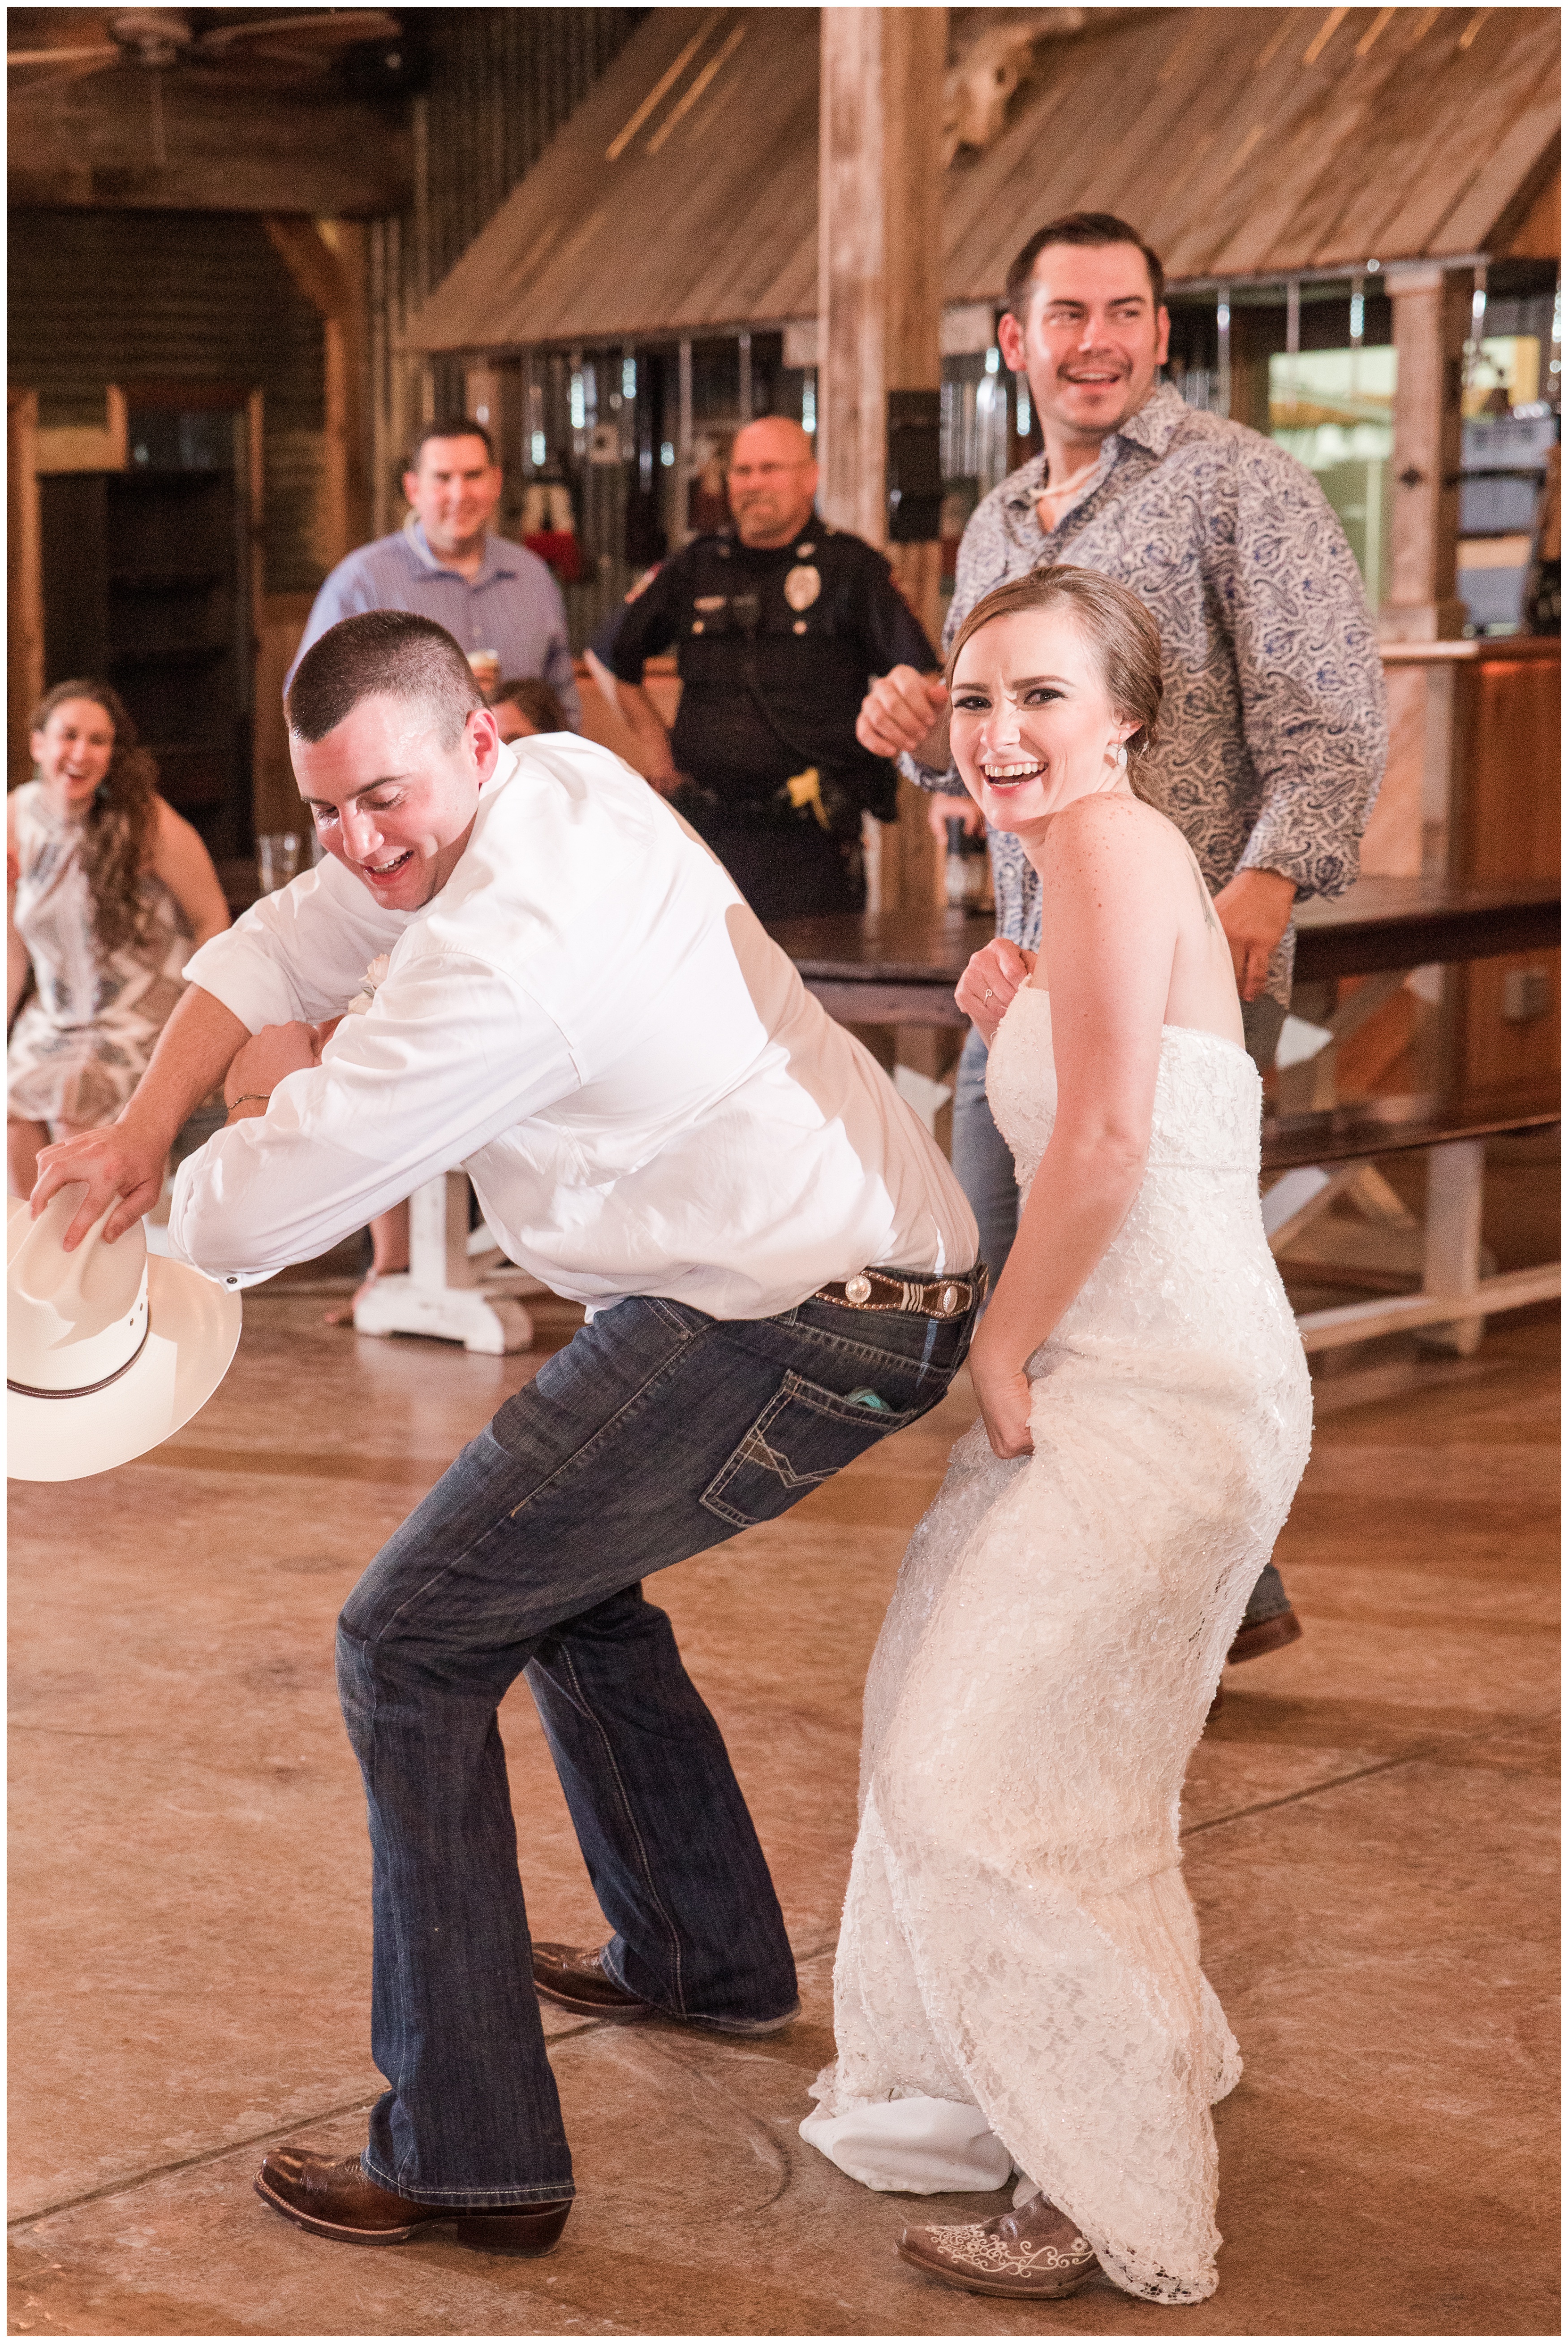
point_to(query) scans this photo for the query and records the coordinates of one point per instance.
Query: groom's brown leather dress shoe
(1032, 2255)
(579, 1980)
(332, 2197)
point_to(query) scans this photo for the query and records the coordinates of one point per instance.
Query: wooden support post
(879, 293)
(1430, 317)
(24, 581)
(326, 261)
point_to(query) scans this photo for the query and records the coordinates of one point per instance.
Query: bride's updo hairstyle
(1113, 622)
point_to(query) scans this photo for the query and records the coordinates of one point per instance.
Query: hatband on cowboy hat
(108, 1350)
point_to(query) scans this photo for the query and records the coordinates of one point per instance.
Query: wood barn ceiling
(681, 198)
(201, 109)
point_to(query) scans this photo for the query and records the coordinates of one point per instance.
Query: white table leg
(440, 1295)
(1453, 1255)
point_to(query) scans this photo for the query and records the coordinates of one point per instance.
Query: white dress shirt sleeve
(451, 1054)
(301, 953)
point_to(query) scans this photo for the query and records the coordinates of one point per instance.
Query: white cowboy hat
(106, 1353)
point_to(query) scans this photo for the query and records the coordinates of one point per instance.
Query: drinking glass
(486, 667)
(277, 859)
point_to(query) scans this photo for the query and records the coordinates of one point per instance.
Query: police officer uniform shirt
(775, 646)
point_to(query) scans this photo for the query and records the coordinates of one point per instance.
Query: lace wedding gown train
(1017, 1982)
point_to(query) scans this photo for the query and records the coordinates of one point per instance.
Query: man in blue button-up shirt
(490, 596)
(443, 563)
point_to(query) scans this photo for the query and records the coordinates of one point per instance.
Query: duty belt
(888, 1289)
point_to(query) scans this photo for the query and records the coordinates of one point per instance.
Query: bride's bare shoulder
(1116, 827)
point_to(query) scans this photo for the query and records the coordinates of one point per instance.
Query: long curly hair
(121, 822)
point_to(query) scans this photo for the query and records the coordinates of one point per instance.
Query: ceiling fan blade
(105, 53)
(331, 28)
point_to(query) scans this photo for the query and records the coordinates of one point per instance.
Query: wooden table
(896, 970)
(900, 969)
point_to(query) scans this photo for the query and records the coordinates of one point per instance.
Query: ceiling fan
(291, 41)
(270, 49)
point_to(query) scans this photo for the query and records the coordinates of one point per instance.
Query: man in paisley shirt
(1273, 732)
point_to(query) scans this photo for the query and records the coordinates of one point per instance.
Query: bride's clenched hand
(1003, 1390)
(987, 986)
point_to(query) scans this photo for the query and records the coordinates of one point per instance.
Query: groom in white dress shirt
(659, 1122)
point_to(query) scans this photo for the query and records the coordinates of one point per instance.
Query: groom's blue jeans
(658, 1432)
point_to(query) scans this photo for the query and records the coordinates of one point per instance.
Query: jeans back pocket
(803, 1436)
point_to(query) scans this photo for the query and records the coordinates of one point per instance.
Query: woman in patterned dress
(108, 892)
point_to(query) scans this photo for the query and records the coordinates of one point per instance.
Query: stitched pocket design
(803, 1436)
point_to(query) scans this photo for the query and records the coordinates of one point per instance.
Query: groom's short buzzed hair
(389, 652)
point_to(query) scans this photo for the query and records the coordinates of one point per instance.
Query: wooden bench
(1316, 1158)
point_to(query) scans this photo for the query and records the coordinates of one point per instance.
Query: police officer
(777, 626)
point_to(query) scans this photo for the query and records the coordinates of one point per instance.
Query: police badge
(802, 586)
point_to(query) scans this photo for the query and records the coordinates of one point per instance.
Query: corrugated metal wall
(98, 297)
(502, 82)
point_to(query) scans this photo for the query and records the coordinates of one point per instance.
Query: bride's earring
(1121, 756)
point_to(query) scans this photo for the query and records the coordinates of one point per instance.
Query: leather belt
(888, 1289)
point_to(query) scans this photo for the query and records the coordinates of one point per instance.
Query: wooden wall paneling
(147, 298)
(1507, 824)
(24, 581)
(503, 290)
(1157, 117)
(1251, 346)
(73, 521)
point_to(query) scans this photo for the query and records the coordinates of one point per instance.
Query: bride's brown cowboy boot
(1032, 2255)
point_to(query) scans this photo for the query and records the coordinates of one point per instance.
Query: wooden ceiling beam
(92, 146)
(312, 263)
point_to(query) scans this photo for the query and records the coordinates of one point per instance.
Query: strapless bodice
(1208, 1099)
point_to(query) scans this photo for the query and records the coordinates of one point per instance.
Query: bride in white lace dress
(1017, 1987)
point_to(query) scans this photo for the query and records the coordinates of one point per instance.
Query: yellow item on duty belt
(806, 790)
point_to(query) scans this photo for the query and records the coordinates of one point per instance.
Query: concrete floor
(1369, 1840)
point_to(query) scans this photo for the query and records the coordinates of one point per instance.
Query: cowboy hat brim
(193, 1331)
